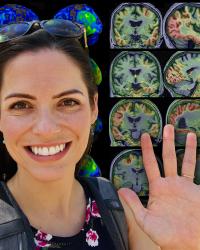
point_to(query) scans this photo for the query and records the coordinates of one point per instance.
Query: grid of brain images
(137, 80)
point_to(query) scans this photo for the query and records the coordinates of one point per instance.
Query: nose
(46, 124)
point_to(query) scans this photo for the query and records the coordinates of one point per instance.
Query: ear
(94, 109)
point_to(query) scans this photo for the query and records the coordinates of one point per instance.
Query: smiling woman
(48, 103)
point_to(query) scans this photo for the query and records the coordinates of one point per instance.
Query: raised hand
(172, 216)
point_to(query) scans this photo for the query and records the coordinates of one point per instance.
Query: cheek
(12, 127)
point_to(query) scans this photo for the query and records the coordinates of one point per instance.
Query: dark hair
(34, 42)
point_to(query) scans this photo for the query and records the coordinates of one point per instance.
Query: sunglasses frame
(41, 25)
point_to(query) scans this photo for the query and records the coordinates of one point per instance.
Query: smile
(48, 153)
(48, 150)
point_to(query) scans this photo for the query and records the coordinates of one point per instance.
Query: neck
(55, 198)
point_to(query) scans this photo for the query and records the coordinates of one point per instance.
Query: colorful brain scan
(129, 118)
(98, 125)
(185, 116)
(182, 26)
(182, 74)
(89, 167)
(85, 15)
(15, 13)
(135, 74)
(136, 25)
(127, 170)
(180, 155)
(96, 72)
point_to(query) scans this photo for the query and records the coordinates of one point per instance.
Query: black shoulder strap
(110, 208)
(22, 224)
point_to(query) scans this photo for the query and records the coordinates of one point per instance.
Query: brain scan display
(127, 170)
(89, 167)
(182, 74)
(185, 116)
(83, 14)
(182, 26)
(16, 13)
(180, 155)
(135, 74)
(130, 118)
(136, 25)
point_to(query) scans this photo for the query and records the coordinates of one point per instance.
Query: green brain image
(182, 74)
(136, 25)
(135, 74)
(132, 117)
(182, 26)
(127, 170)
(185, 116)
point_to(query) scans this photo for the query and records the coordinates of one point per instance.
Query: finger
(189, 160)
(134, 203)
(169, 152)
(149, 159)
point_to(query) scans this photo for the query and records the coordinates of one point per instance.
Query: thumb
(134, 203)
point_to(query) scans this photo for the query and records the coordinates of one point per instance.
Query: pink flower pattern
(41, 239)
(92, 238)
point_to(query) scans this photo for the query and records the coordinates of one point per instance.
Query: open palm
(172, 216)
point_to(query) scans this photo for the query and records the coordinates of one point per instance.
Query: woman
(48, 103)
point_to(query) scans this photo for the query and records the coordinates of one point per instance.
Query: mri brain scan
(185, 116)
(127, 170)
(135, 74)
(130, 118)
(182, 74)
(136, 25)
(182, 26)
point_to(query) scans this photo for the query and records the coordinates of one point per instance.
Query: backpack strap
(110, 208)
(17, 222)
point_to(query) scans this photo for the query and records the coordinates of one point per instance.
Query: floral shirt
(93, 235)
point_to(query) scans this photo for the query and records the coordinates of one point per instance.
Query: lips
(48, 153)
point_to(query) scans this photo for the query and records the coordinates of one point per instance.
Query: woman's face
(45, 113)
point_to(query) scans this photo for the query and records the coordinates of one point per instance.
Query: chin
(49, 174)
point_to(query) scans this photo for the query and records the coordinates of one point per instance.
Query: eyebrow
(27, 96)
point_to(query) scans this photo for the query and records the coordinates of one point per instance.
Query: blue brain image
(10, 13)
(85, 15)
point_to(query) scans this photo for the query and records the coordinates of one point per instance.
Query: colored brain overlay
(182, 74)
(135, 74)
(96, 72)
(89, 167)
(15, 13)
(83, 14)
(136, 25)
(185, 116)
(180, 155)
(127, 170)
(130, 118)
(98, 125)
(182, 26)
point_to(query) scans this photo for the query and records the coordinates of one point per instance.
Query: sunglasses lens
(13, 31)
(64, 28)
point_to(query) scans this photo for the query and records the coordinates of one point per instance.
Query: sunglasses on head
(55, 27)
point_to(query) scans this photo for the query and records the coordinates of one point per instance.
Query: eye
(20, 105)
(69, 103)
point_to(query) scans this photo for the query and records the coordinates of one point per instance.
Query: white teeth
(48, 151)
